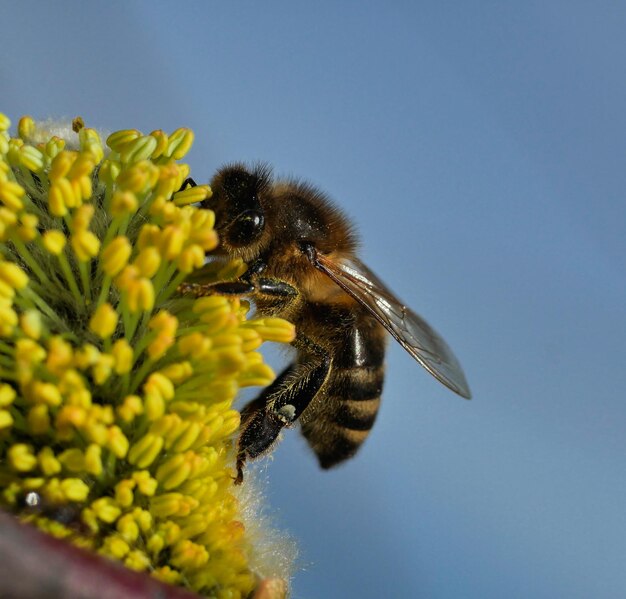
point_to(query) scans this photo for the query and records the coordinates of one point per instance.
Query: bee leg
(275, 287)
(188, 182)
(249, 425)
(254, 268)
(226, 288)
(280, 405)
(243, 286)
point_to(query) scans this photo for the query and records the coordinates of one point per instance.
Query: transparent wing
(411, 331)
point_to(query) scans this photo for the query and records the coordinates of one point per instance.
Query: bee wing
(410, 330)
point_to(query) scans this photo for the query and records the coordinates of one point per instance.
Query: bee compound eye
(246, 228)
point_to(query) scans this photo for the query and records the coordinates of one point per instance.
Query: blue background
(480, 147)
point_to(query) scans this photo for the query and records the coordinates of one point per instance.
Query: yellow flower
(115, 392)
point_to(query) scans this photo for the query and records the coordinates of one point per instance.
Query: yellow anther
(60, 197)
(21, 457)
(127, 277)
(13, 151)
(103, 368)
(123, 353)
(140, 295)
(53, 147)
(90, 142)
(44, 393)
(124, 495)
(167, 505)
(154, 406)
(115, 546)
(93, 460)
(86, 356)
(273, 329)
(173, 472)
(256, 375)
(162, 142)
(13, 275)
(128, 528)
(137, 560)
(82, 216)
(104, 321)
(29, 352)
(85, 245)
(61, 165)
(192, 195)
(131, 407)
(75, 489)
(60, 355)
(171, 242)
(145, 451)
(187, 554)
(117, 140)
(178, 372)
(29, 229)
(195, 345)
(11, 195)
(106, 509)
(5, 122)
(148, 235)
(72, 459)
(38, 419)
(187, 437)
(7, 395)
(48, 463)
(148, 261)
(139, 149)
(123, 202)
(83, 166)
(26, 127)
(115, 255)
(117, 442)
(168, 575)
(139, 178)
(159, 383)
(54, 241)
(32, 158)
(109, 171)
(190, 258)
(6, 420)
(180, 142)
(146, 484)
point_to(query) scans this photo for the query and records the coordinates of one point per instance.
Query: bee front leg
(280, 405)
(188, 182)
(248, 284)
(236, 288)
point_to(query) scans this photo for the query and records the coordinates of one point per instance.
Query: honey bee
(302, 266)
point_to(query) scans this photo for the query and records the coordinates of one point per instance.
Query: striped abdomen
(342, 415)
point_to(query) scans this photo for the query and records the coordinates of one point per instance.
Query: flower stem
(26, 255)
(71, 280)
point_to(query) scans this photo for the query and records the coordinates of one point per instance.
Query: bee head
(236, 201)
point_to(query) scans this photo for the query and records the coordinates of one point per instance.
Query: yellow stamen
(104, 321)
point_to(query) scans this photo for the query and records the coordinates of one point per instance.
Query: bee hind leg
(279, 405)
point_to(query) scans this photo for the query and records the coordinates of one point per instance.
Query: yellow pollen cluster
(115, 392)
